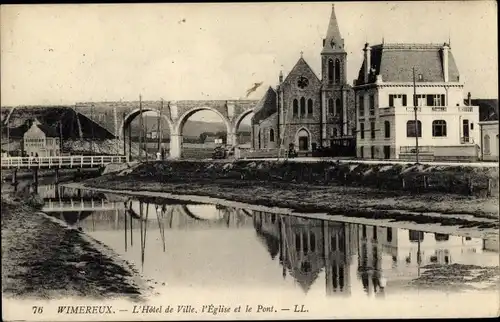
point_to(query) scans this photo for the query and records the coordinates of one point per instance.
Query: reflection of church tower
(337, 252)
(303, 249)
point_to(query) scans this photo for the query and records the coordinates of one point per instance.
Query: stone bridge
(117, 116)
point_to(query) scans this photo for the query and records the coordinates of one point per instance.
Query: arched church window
(271, 135)
(295, 107)
(337, 71)
(330, 70)
(302, 106)
(330, 106)
(310, 107)
(338, 107)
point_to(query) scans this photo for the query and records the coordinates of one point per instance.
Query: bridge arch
(176, 134)
(134, 113)
(237, 123)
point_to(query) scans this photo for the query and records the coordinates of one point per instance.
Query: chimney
(445, 62)
(469, 101)
(368, 64)
(281, 77)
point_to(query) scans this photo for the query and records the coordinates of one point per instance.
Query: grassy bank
(336, 197)
(43, 259)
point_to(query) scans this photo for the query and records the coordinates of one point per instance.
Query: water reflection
(211, 245)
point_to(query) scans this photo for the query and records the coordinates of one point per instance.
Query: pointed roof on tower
(333, 43)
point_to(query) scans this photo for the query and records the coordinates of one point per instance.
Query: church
(307, 110)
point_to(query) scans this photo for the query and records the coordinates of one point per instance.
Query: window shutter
(443, 102)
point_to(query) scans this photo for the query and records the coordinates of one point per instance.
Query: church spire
(333, 43)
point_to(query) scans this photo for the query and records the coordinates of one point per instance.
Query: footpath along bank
(402, 192)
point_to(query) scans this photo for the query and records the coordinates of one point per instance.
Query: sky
(62, 54)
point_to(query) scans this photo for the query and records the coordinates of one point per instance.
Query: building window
(338, 107)
(410, 129)
(295, 107)
(337, 71)
(389, 234)
(439, 128)
(372, 130)
(387, 129)
(330, 71)
(415, 236)
(302, 106)
(372, 105)
(362, 152)
(486, 144)
(313, 242)
(305, 244)
(310, 107)
(375, 236)
(397, 100)
(361, 106)
(334, 130)
(297, 242)
(330, 106)
(372, 150)
(364, 231)
(271, 135)
(362, 130)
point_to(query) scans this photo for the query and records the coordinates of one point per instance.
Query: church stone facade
(307, 110)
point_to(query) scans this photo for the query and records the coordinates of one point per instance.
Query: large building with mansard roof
(305, 109)
(389, 78)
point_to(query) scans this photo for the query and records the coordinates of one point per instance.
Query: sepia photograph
(240, 161)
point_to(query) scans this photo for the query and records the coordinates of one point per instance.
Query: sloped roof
(265, 107)
(301, 63)
(395, 62)
(488, 108)
(333, 42)
(48, 130)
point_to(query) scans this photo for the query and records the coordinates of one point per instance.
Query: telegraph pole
(92, 129)
(415, 108)
(146, 137)
(159, 126)
(140, 127)
(124, 136)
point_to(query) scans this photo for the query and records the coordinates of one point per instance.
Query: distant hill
(191, 128)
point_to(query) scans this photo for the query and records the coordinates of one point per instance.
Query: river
(179, 245)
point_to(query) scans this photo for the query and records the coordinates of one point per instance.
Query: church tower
(335, 88)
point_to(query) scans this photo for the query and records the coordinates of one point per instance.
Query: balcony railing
(413, 149)
(466, 108)
(466, 139)
(439, 108)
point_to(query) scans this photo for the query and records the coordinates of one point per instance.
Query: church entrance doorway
(303, 140)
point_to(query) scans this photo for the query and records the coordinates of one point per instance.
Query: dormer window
(420, 77)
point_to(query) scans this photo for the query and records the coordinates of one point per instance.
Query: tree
(203, 137)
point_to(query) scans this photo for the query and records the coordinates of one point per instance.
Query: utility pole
(140, 127)
(146, 137)
(159, 126)
(415, 108)
(124, 136)
(92, 129)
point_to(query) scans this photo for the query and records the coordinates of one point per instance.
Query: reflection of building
(41, 140)
(396, 254)
(306, 246)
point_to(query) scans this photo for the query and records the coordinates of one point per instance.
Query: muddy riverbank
(43, 258)
(426, 207)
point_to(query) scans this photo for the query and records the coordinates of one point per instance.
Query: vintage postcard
(217, 161)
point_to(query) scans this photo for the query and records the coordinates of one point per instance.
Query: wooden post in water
(57, 175)
(403, 182)
(35, 176)
(425, 182)
(14, 177)
(124, 137)
(129, 143)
